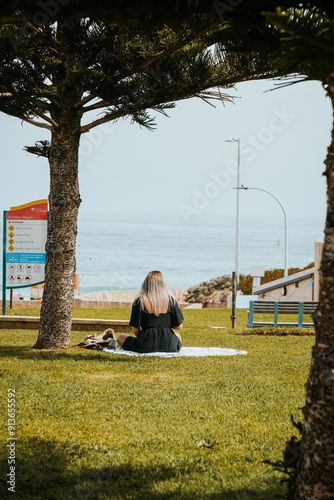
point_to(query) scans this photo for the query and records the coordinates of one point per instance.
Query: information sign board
(25, 231)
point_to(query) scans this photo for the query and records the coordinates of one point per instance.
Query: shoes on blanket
(105, 339)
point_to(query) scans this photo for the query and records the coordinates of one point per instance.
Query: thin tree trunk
(315, 472)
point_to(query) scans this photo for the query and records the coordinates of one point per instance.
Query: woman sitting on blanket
(154, 313)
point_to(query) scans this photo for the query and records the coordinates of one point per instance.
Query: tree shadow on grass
(47, 470)
(69, 354)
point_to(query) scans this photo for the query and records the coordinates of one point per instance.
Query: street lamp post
(285, 225)
(237, 244)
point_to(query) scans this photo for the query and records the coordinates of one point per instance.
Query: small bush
(278, 331)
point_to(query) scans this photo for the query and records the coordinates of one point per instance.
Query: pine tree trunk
(315, 472)
(64, 201)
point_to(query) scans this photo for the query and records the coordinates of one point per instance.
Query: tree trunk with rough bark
(315, 472)
(64, 201)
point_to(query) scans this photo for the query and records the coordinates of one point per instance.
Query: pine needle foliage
(121, 70)
(41, 148)
(307, 42)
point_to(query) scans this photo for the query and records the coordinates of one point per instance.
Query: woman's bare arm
(135, 331)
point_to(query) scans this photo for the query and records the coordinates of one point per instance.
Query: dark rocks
(211, 293)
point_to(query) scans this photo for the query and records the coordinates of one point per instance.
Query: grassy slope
(91, 425)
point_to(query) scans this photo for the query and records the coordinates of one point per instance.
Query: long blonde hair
(156, 290)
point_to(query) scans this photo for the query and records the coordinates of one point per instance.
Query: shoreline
(98, 299)
(126, 295)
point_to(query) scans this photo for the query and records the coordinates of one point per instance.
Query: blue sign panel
(24, 258)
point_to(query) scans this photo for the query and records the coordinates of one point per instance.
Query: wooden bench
(279, 307)
(78, 324)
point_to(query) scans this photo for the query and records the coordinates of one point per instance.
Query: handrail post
(250, 314)
(276, 313)
(300, 314)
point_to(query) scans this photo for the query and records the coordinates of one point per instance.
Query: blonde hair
(156, 290)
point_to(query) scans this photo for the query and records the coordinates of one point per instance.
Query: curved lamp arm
(285, 224)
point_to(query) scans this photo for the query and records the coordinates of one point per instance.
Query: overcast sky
(185, 166)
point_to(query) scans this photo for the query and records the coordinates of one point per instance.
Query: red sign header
(35, 210)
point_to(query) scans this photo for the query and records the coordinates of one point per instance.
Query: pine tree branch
(161, 111)
(84, 101)
(169, 51)
(256, 76)
(37, 124)
(98, 105)
(100, 121)
(97, 50)
(46, 118)
(204, 95)
(41, 115)
(287, 83)
(41, 104)
(323, 46)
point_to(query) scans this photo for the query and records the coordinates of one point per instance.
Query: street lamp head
(241, 187)
(232, 140)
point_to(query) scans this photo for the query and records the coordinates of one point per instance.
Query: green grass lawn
(92, 425)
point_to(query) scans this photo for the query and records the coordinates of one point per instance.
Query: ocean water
(116, 253)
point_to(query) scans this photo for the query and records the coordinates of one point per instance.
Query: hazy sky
(185, 166)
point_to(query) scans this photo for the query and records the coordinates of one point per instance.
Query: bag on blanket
(99, 342)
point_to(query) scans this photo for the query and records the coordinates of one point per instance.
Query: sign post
(24, 238)
(234, 299)
(4, 265)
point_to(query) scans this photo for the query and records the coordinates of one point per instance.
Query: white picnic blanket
(185, 351)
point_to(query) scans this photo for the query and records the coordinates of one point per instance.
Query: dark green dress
(156, 334)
